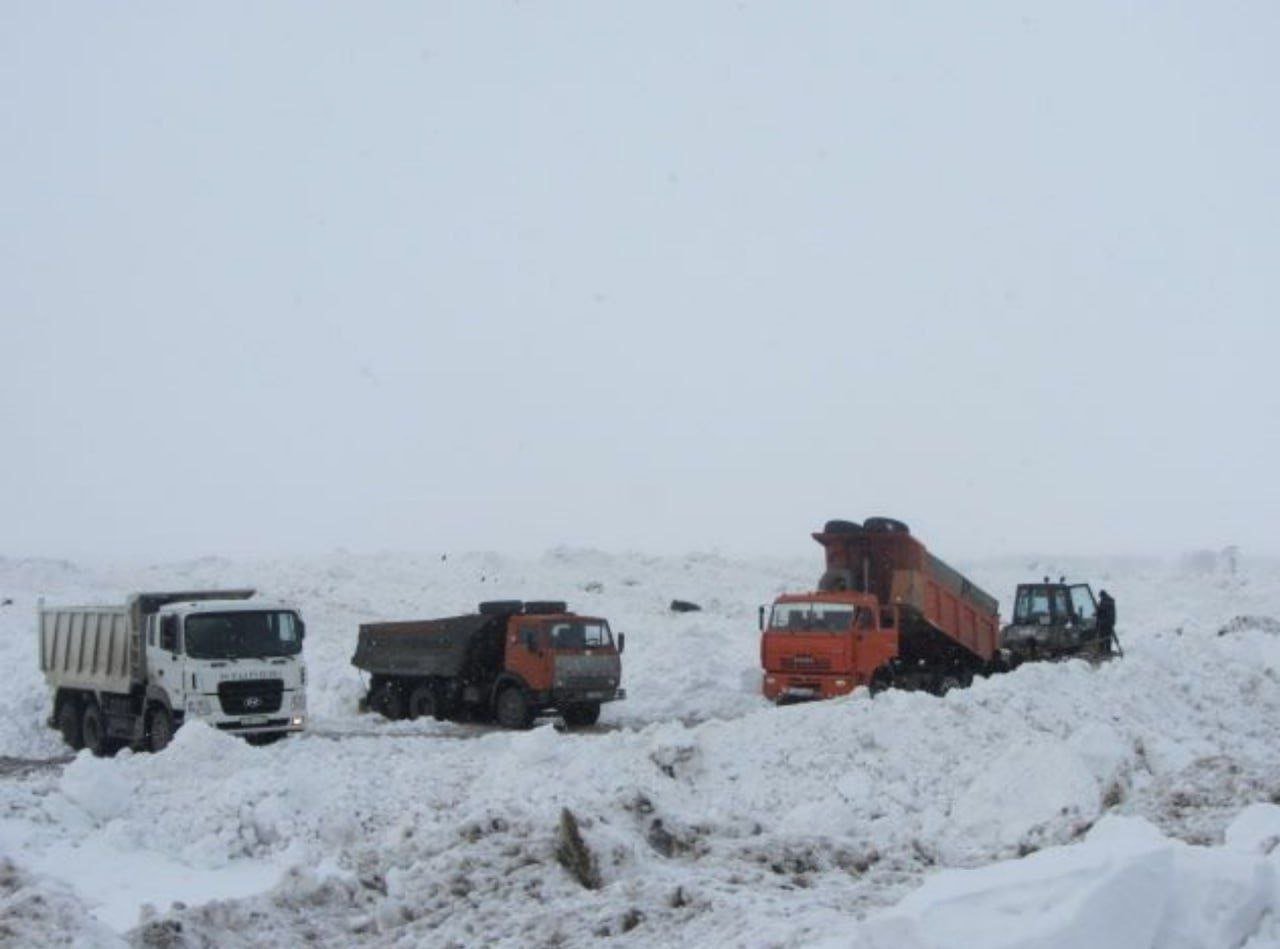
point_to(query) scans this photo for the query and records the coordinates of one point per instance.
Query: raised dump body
(510, 660)
(935, 599)
(886, 612)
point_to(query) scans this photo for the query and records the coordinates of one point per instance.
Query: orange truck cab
(820, 645)
(510, 660)
(886, 613)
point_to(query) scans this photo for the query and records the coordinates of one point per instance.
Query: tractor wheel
(512, 708)
(159, 729)
(69, 724)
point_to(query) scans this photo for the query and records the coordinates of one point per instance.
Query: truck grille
(251, 697)
(806, 663)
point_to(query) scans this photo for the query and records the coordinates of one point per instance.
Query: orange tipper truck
(510, 660)
(887, 613)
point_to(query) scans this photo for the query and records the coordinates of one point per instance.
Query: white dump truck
(132, 674)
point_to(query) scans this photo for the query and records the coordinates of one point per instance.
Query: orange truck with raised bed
(887, 613)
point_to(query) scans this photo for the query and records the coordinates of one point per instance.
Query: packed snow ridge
(1129, 804)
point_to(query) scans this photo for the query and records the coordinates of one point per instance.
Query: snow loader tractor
(1056, 621)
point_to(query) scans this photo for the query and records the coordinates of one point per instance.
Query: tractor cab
(1053, 621)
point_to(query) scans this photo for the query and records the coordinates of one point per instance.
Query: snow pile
(709, 815)
(1124, 885)
(37, 911)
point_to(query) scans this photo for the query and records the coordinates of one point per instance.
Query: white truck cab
(235, 664)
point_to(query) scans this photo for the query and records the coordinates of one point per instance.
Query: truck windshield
(580, 635)
(812, 617)
(242, 635)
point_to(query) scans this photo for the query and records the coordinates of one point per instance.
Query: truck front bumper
(782, 687)
(562, 697)
(260, 725)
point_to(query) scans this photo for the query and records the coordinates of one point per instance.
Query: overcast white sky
(294, 276)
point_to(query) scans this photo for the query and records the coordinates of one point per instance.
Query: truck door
(165, 666)
(529, 653)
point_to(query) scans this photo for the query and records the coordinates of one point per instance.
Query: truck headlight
(299, 701)
(199, 707)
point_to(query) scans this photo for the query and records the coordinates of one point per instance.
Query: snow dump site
(1132, 804)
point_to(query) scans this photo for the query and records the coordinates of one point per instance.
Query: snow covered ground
(1133, 804)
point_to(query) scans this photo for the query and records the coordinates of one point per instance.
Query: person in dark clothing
(1106, 620)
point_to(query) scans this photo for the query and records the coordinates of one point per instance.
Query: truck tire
(511, 708)
(842, 527)
(949, 682)
(392, 702)
(886, 525)
(422, 703)
(94, 730)
(881, 679)
(159, 729)
(69, 724)
(587, 713)
(545, 607)
(500, 607)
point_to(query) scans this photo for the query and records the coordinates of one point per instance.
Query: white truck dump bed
(90, 647)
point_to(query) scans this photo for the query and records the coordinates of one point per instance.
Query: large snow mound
(1124, 885)
(711, 816)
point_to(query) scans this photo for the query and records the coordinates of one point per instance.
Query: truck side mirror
(302, 630)
(760, 619)
(530, 639)
(622, 642)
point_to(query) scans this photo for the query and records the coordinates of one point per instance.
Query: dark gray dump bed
(453, 646)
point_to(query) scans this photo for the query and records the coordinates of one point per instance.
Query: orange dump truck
(886, 613)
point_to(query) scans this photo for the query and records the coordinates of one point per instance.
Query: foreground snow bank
(38, 911)
(1124, 886)
(714, 818)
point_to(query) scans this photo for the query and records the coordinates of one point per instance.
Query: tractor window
(1061, 608)
(1082, 600)
(1032, 606)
